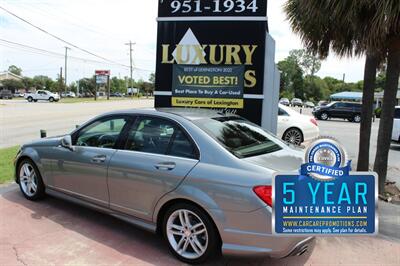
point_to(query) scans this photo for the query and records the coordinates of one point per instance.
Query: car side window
(282, 112)
(159, 136)
(102, 133)
(181, 146)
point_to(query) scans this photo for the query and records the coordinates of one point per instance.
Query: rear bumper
(294, 247)
(250, 234)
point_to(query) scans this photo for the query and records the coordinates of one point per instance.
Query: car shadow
(123, 237)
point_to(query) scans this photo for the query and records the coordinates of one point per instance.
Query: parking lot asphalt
(55, 232)
(348, 134)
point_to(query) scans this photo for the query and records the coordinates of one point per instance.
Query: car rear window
(240, 137)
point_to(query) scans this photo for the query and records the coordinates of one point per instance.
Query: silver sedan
(200, 178)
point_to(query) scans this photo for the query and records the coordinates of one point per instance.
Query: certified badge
(326, 160)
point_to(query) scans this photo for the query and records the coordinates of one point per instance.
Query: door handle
(99, 159)
(167, 166)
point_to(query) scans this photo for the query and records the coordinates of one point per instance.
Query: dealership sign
(211, 54)
(102, 76)
(325, 198)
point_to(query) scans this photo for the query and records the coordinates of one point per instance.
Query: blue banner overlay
(334, 172)
(344, 206)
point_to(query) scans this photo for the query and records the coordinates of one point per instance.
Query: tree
(316, 89)
(152, 78)
(354, 28)
(118, 85)
(309, 63)
(292, 81)
(15, 70)
(87, 86)
(12, 84)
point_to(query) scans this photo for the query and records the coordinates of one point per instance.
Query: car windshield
(240, 137)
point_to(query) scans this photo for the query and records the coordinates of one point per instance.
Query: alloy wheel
(187, 234)
(293, 136)
(28, 179)
(324, 116)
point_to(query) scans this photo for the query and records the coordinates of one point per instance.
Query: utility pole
(60, 81)
(66, 66)
(131, 63)
(344, 77)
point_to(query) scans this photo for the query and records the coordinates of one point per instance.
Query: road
(21, 121)
(55, 232)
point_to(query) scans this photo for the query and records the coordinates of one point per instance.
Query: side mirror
(66, 142)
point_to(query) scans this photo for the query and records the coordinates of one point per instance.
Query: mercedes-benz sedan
(200, 178)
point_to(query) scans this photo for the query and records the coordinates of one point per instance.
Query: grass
(7, 156)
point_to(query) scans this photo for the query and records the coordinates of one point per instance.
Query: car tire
(51, 99)
(30, 99)
(324, 116)
(30, 181)
(190, 234)
(293, 136)
(357, 119)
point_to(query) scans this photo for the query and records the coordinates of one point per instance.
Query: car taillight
(312, 120)
(264, 193)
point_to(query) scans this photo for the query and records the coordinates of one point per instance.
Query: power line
(58, 38)
(40, 51)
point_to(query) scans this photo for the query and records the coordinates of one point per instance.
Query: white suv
(396, 125)
(42, 95)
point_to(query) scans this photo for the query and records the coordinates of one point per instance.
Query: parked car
(294, 127)
(309, 104)
(284, 101)
(42, 95)
(68, 94)
(323, 103)
(200, 178)
(6, 94)
(19, 95)
(345, 110)
(116, 94)
(297, 102)
(396, 125)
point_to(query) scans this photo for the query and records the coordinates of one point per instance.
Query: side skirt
(126, 218)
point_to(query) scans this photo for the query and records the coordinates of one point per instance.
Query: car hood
(286, 160)
(45, 142)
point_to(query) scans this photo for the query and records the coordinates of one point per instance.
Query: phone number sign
(303, 205)
(212, 8)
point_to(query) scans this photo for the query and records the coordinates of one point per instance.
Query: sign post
(213, 54)
(102, 78)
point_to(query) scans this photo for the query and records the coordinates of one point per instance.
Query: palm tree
(339, 26)
(354, 28)
(387, 26)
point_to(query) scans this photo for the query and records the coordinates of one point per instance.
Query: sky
(104, 27)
